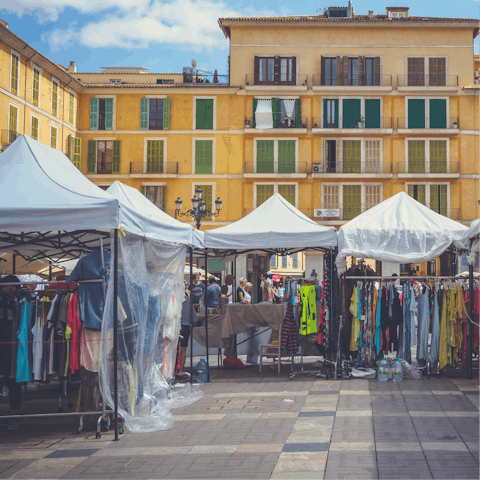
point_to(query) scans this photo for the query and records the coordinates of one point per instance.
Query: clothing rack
(104, 415)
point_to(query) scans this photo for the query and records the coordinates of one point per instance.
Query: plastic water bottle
(4, 391)
(390, 367)
(202, 371)
(397, 372)
(382, 374)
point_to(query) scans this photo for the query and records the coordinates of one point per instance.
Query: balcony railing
(104, 168)
(376, 80)
(280, 120)
(206, 79)
(271, 167)
(415, 166)
(336, 166)
(428, 122)
(382, 122)
(165, 168)
(8, 137)
(437, 80)
(276, 79)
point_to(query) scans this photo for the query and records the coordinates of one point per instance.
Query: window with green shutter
(372, 113)
(286, 156)
(77, 153)
(71, 109)
(35, 128)
(12, 134)
(416, 156)
(53, 137)
(438, 156)
(14, 77)
(116, 157)
(288, 193)
(351, 112)
(207, 197)
(352, 157)
(264, 192)
(109, 114)
(254, 109)
(92, 157)
(155, 114)
(155, 150)
(418, 193)
(438, 199)
(166, 113)
(352, 201)
(55, 99)
(416, 113)
(265, 156)
(101, 114)
(276, 112)
(144, 106)
(156, 194)
(94, 114)
(298, 113)
(204, 156)
(438, 113)
(36, 87)
(204, 114)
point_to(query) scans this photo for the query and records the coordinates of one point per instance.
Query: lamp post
(198, 210)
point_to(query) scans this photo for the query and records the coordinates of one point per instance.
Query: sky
(165, 35)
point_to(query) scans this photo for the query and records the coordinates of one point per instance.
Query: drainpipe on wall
(25, 95)
(63, 110)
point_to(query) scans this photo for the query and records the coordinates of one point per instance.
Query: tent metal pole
(115, 328)
(190, 248)
(469, 328)
(13, 264)
(236, 299)
(206, 319)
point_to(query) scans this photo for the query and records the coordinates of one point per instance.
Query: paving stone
(243, 465)
(391, 429)
(435, 429)
(301, 462)
(447, 464)
(350, 460)
(305, 447)
(199, 466)
(83, 452)
(8, 467)
(456, 403)
(316, 414)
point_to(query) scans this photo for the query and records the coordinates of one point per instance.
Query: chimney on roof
(72, 68)
(350, 10)
(3, 23)
(370, 13)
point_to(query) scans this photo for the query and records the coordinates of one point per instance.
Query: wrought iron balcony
(375, 123)
(278, 80)
(273, 168)
(154, 168)
(451, 123)
(280, 120)
(419, 80)
(338, 166)
(334, 80)
(420, 166)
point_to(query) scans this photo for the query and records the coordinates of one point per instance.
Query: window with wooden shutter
(416, 113)
(36, 87)
(92, 157)
(353, 72)
(329, 76)
(144, 110)
(155, 114)
(352, 157)
(438, 113)
(373, 156)
(416, 156)
(418, 193)
(207, 196)
(155, 149)
(361, 70)
(331, 155)
(55, 99)
(264, 192)
(298, 113)
(53, 137)
(266, 71)
(14, 75)
(416, 72)
(69, 146)
(256, 70)
(351, 112)
(77, 153)
(12, 124)
(330, 113)
(372, 71)
(438, 156)
(35, 128)
(166, 113)
(288, 193)
(204, 156)
(331, 196)
(352, 201)
(104, 157)
(437, 72)
(372, 196)
(287, 70)
(116, 157)
(372, 113)
(94, 113)
(108, 113)
(204, 114)
(71, 109)
(265, 156)
(345, 70)
(286, 156)
(438, 199)
(156, 194)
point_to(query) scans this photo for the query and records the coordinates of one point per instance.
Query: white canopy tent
(275, 225)
(470, 241)
(140, 216)
(398, 230)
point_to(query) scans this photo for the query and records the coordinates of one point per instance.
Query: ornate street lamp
(199, 209)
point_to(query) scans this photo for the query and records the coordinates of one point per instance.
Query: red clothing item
(75, 324)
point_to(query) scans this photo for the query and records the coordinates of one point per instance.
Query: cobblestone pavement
(262, 425)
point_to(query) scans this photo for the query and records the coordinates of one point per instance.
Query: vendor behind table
(241, 290)
(197, 289)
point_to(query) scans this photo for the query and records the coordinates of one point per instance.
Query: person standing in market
(241, 290)
(266, 286)
(185, 331)
(197, 290)
(214, 292)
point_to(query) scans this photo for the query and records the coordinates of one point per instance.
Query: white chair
(271, 350)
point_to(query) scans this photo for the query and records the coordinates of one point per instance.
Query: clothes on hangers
(308, 318)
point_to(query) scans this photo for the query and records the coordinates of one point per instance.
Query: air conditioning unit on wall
(317, 168)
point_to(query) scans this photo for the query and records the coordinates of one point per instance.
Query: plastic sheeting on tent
(275, 224)
(140, 216)
(471, 241)
(398, 230)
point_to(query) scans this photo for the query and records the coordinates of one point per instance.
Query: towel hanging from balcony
(263, 114)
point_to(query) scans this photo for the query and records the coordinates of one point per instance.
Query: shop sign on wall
(327, 212)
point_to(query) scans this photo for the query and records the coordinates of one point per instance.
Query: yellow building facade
(337, 112)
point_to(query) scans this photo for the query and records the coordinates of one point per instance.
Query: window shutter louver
(166, 113)
(438, 156)
(286, 156)
(361, 70)
(276, 70)
(144, 113)
(77, 153)
(109, 114)
(377, 71)
(92, 157)
(142, 189)
(116, 156)
(416, 156)
(276, 112)
(298, 112)
(416, 113)
(209, 114)
(345, 70)
(325, 116)
(336, 113)
(351, 112)
(203, 156)
(352, 201)
(438, 113)
(265, 156)
(256, 70)
(338, 80)
(254, 107)
(200, 115)
(294, 71)
(164, 197)
(372, 113)
(352, 159)
(322, 70)
(94, 114)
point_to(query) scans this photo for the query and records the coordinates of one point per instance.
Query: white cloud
(189, 23)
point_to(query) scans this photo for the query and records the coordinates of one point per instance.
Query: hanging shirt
(91, 296)
(23, 362)
(309, 319)
(290, 293)
(75, 325)
(37, 348)
(90, 349)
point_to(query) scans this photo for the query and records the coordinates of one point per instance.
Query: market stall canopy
(398, 230)
(275, 224)
(45, 196)
(140, 216)
(470, 242)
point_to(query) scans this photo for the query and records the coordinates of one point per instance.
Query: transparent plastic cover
(150, 296)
